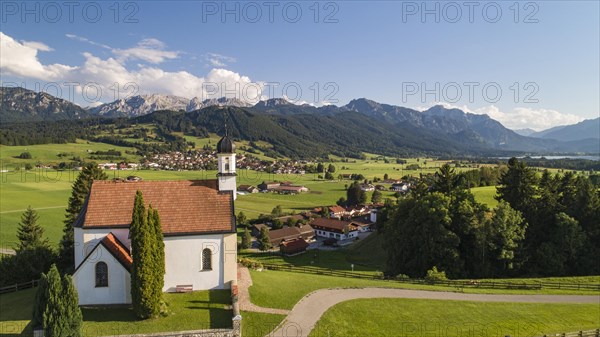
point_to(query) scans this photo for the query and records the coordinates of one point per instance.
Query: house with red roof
(198, 225)
(334, 228)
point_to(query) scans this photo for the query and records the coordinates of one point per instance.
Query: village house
(293, 247)
(198, 225)
(257, 228)
(367, 187)
(247, 189)
(290, 189)
(278, 236)
(333, 228)
(400, 187)
(337, 211)
(295, 218)
(268, 186)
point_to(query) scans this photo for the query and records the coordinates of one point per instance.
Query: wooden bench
(184, 288)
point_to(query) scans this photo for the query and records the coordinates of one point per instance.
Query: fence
(20, 286)
(586, 333)
(449, 283)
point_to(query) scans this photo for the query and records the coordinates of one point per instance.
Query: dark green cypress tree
(55, 323)
(158, 255)
(147, 275)
(80, 191)
(72, 312)
(30, 233)
(139, 245)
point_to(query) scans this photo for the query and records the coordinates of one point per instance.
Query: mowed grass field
(299, 285)
(48, 191)
(485, 195)
(410, 317)
(189, 311)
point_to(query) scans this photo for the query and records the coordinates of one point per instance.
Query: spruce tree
(246, 239)
(517, 186)
(80, 190)
(263, 241)
(30, 232)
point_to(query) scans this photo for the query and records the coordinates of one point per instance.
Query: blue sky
(386, 51)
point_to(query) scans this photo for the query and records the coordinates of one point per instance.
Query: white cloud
(84, 39)
(218, 60)
(150, 50)
(36, 45)
(21, 60)
(519, 117)
(536, 119)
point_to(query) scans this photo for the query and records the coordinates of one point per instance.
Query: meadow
(262, 294)
(400, 317)
(48, 190)
(191, 311)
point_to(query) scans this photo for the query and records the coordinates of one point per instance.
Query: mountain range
(451, 129)
(18, 104)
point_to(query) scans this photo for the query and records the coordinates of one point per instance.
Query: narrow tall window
(206, 259)
(101, 274)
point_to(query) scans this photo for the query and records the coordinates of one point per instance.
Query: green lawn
(192, 311)
(410, 317)
(323, 259)
(262, 294)
(15, 312)
(255, 324)
(368, 252)
(48, 191)
(48, 153)
(485, 195)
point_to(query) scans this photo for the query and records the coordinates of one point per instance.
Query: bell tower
(226, 162)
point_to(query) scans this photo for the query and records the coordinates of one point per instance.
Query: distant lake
(595, 158)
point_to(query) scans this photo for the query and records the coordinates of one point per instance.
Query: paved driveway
(309, 310)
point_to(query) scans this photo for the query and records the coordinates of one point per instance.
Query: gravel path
(244, 282)
(7, 251)
(309, 310)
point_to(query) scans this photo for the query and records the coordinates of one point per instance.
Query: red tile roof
(118, 250)
(185, 206)
(293, 246)
(337, 209)
(333, 225)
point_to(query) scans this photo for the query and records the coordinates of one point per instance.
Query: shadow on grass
(108, 314)
(15, 313)
(219, 316)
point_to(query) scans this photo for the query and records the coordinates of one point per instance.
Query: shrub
(402, 277)
(434, 275)
(250, 263)
(25, 155)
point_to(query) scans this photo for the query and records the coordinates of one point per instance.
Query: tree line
(544, 225)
